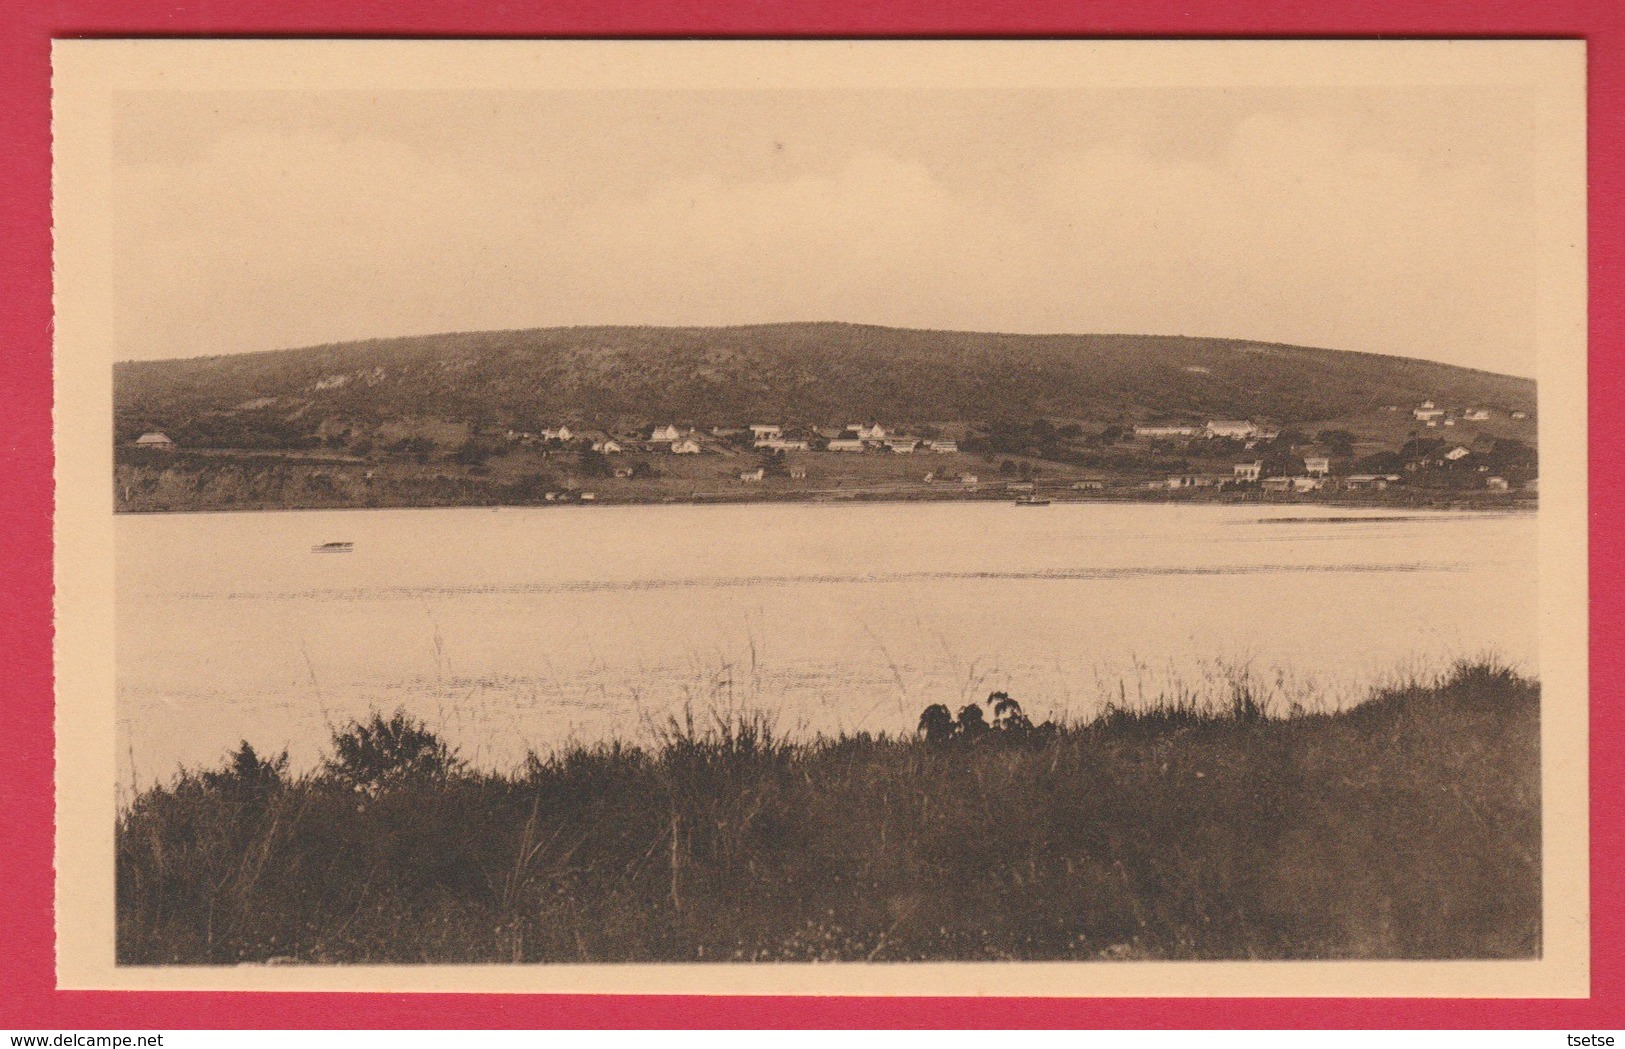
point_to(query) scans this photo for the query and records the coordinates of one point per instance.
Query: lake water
(512, 629)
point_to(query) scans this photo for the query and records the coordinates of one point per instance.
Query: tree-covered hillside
(817, 374)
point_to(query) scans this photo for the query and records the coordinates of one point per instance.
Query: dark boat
(1031, 500)
(332, 548)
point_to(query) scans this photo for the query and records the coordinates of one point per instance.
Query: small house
(846, 444)
(798, 473)
(762, 431)
(1458, 453)
(687, 446)
(1317, 465)
(1520, 415)
(666, 433)
(968, 479)
(902, 445)
(1427, 413)
(1249, 471)
(1496, 484)
(1088, 484)
(1277, 484)
(1476, 415)
(608, 446)
(942, 446)
(156, 440)
(752, 476)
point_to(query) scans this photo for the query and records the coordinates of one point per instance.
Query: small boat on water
(332, 548)
(1031, 500)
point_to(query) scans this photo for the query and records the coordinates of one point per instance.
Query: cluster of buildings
(1432, 415)
(769, 437)
(1470, 467)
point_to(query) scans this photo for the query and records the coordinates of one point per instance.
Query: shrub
(936, 724)
(972, 722)
(380, 755)
(1007, 715)
(248, 774)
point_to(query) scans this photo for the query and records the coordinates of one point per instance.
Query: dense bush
(379, 755)
(1407, 827)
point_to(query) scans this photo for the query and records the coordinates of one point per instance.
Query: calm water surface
(516, 629)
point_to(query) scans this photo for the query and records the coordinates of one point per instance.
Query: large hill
(814, 373)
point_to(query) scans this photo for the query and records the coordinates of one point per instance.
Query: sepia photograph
(543, 511)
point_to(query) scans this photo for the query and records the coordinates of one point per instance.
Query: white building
(1167, 430)
(1249, 471)
(749, 476)
(943, 446)
(155, 440)
(606, 447)
(765, 430)
(1317, 465)
(846, 444)
(1230, 428)
(685, 447)
(666, 433)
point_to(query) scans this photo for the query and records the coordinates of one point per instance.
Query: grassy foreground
(1407, 827)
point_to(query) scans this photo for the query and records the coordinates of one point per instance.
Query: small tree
(1007, 715)
(248, 775)
(379, 755)
(937, 724)
(972, 722)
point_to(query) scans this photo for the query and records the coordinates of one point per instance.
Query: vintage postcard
(929, 518)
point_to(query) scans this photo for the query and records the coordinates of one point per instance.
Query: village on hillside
(1461, 451)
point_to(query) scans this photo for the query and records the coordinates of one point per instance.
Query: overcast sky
(1390, 221)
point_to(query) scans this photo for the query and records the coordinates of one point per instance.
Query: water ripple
(727, 582)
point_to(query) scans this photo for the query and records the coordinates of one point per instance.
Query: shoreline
(1401, 499)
